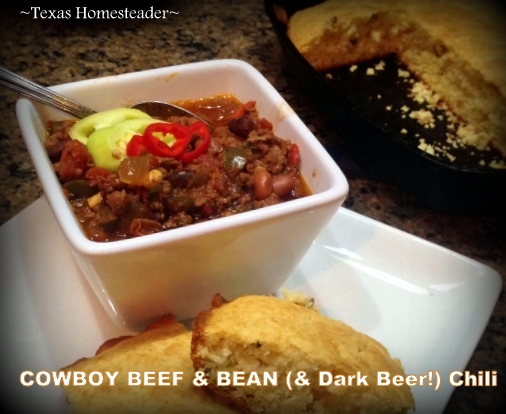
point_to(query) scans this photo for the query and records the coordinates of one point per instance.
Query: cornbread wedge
(163, 347)
(259, 334)
(457, 48)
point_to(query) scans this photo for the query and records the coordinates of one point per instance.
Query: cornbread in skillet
(457, 48)
(163, 346)
(266, 334)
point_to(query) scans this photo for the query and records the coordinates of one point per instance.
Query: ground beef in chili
(246, 167)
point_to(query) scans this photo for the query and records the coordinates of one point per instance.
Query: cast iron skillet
(355, 106)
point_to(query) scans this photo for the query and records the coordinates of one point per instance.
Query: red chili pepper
(294, 155)
(156, 146)
(135, 146)
(200, 137)
(188, 142)
(248, 106)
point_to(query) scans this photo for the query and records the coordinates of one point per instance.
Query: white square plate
(415, 297)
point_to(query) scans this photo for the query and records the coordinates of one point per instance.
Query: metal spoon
(30, 89)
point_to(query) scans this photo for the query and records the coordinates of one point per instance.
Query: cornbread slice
(456, 47)
(257, 334)
(163, 347)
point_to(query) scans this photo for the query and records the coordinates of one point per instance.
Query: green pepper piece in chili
(200, 137)
(235, 157)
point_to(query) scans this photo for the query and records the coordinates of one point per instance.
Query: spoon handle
(45, 95)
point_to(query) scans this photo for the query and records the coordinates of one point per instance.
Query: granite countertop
(52, 51)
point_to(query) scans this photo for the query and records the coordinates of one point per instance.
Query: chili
(212, 177)
(202, 138)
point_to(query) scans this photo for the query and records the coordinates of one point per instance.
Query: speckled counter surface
(53, 51)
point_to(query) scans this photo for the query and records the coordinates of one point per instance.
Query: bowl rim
(26, 113)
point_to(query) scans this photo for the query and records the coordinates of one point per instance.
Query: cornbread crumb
(429, 149)
(298, 298)
(498, 164)
(422, 94)
(380, 65)
(403, 73)
(424, 117)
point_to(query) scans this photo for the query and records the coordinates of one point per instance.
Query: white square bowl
(177, 271)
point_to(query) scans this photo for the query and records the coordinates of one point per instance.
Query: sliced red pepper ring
(160, 139)
(171, 140)
(200, 137)
(135, 146)
(166, 140)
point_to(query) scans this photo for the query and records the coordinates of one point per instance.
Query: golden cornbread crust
(261, 333)
(456, 47)
(163, 346)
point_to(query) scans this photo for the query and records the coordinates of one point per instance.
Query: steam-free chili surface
(242, 166)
